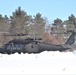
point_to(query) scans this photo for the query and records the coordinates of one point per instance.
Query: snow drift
(43, 63)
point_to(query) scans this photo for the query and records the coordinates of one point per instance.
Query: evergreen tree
(38, 25)
(57, 27)
(4, 28)
(4, 24)
(71, 22)
(19, 21)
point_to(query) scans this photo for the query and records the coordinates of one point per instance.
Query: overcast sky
(51, 9)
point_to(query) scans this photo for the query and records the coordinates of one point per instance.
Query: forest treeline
(35, 25)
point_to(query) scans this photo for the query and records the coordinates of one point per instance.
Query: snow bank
(43, 63)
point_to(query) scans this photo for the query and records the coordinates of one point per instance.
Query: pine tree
(38, 25)
(19, 21)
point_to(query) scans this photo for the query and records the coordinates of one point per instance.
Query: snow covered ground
(43, 63)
